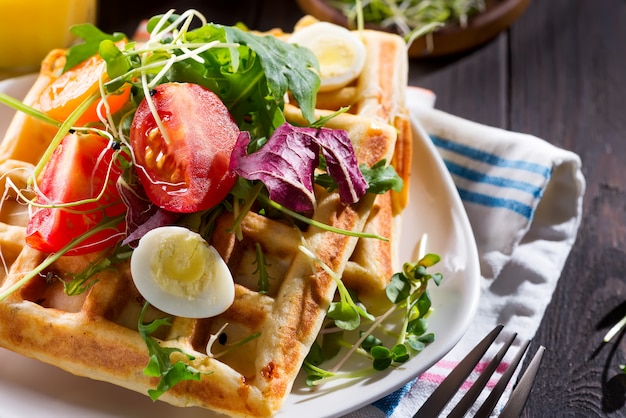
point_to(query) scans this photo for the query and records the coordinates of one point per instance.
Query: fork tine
(446, 390)
(517, 400)
(490, 403)
(479, 384)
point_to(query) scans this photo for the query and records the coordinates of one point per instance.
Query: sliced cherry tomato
(71, 88)
(185, 167)
(77, 171)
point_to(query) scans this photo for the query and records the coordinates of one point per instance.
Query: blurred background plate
(451, 38)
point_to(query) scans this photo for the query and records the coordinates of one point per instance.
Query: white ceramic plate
(30, 388)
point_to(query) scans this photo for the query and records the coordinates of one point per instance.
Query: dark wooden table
(558, 73)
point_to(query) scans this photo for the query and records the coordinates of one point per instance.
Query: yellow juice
(29, 29)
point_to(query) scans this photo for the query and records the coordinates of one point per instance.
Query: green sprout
(408, 291)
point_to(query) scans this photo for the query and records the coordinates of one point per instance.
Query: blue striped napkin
(523, 197)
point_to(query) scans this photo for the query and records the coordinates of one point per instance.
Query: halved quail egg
(339, 51)
(178, 272)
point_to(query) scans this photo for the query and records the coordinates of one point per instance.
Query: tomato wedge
(185, 166)
(77, 171)
(59, 99)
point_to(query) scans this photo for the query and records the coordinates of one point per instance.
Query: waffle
(95, 334)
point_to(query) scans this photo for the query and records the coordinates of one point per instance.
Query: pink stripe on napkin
(447, 366)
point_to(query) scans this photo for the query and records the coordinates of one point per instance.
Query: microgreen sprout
(51, 258)
(118, 157)
(65, 127)
(297, 216)
(408, 293)
(219, 335)
(408, 16)
(345, 312)
(212, 339)
(244, 194)
(615, 330)
(28, 110)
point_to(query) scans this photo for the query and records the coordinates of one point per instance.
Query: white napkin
(523, 197)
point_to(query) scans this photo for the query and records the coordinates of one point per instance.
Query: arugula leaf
(91, 36)
(381, 177)
(236, 75)
(323, 120)
(288, 67)
(84, 280)
(160, 364)
(250, 73)
(261, 269)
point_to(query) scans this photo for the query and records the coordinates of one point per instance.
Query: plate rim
(17, 85)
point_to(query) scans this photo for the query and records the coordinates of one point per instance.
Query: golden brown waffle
(95, 334)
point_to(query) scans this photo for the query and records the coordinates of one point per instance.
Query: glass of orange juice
(32, 28)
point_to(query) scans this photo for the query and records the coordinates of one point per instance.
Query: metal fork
(450, 386)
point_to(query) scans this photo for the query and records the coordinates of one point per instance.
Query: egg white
(164, 249)
(340, 52)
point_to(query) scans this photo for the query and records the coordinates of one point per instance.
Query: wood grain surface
(559, 72)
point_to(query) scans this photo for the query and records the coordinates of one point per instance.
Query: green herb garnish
(409, 294)
(81, 282)
(408, 16)
(160, 364)
(261, 270)
(92, 37)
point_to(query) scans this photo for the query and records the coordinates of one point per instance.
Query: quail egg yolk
(178, 272)
(179, 266)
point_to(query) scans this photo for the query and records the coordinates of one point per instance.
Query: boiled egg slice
(178, 272)
(339, 51)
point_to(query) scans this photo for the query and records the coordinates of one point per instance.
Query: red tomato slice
(185, 168)
(76, 171)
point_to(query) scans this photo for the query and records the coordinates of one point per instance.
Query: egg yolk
(334, 57)
(182, 267)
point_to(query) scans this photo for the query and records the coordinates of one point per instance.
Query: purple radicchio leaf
(286, 163)
(142, 215)
(341, 163)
